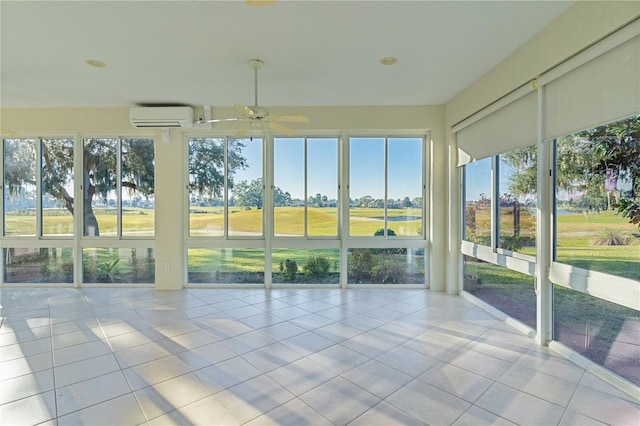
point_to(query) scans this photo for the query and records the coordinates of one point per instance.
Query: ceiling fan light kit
(258, 117)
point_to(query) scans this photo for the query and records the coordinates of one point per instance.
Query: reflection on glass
(506, 290)
(118, 265)
(404, 203)
(296, 266)
(99, 187)
(477, 202)
(225, 266)
(597, 174)
(386, 266)
(206, 184)
(289, 186)
(246, 188)
(138, 187)
(19, 187)
(366, 186)
(57, 187)
(602, 331)
(38, 265)
(322, 179)
(517, 186)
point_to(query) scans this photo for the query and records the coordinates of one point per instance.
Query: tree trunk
(91, 227)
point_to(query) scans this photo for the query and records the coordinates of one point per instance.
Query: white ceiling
(316, 53)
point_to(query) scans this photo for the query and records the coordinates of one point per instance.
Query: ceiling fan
(258, 117)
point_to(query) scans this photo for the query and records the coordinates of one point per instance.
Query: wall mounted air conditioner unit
(161, 117)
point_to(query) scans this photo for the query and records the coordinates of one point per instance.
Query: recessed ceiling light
(389, 60)
(260, 2)
(96, 63)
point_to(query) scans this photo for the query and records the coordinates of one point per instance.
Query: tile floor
(117, 356)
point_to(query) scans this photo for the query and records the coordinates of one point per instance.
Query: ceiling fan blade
(290, 118)
(244, 110)
(280, 128)
(219, 120)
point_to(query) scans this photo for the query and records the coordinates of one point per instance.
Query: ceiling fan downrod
(256, 64)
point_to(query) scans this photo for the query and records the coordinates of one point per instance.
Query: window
(596, 174)
(517, 192)
(225, 266)
(50, 265)
(386, 266)
(305, 193)
(509, 291)
(38, 169)
(226, 187)
(300, 266)
(386, 187)
(118, 187)
(118, 265)
(602, 331)
(477, 202)
(20, 187)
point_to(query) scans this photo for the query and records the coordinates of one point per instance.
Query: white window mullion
(544, 233)
(344, 208)
(305, 224)
(38, 187)
(495, 203)
(119, 187)
(268, 205)
(78, 208)
(225, 230)
(386, 184)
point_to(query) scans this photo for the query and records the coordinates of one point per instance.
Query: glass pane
(118, 265)
(20, 187)
(99, 187)
(477, 202)
(597, 172)
(509, 291)
(322, 178)
(517, 186)
(386, 266)
(288, 194)
(602, 331)
(246, 187)
(297, 266)
(138, 187)
(206, 185)
(366, 186)
(225, 266)
(38, 265)
(404, 204)
(57, 187)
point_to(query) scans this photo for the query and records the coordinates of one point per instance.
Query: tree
(206, 165)
(99, 170)
(592, 162)
(281, 198)
(406, 202)
(248, 194)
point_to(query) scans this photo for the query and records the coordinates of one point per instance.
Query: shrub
(612, 237)
(317, 266)
(361, 265)
(289, 269)
(389, 272)
(380, 232)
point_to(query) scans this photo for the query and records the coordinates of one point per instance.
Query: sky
(366, 166)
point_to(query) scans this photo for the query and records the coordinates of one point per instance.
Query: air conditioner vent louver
(161, 117)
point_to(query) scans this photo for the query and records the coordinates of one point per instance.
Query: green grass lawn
(575, 231)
